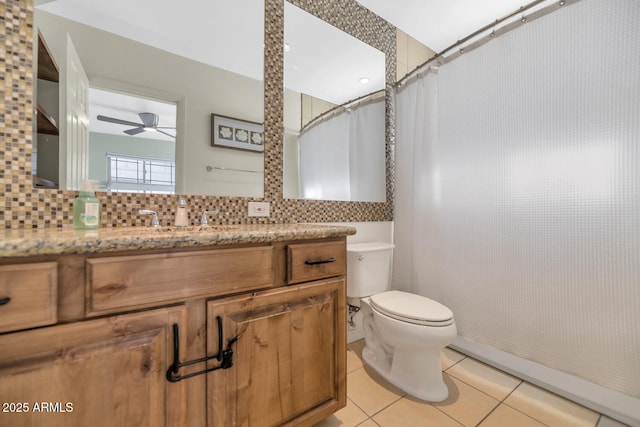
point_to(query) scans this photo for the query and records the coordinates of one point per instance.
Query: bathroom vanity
(226, 326)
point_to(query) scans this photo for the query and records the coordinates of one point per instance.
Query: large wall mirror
(334, 113)
(154, 80)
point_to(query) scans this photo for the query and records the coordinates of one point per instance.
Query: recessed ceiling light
(363, 80)
(287, 47)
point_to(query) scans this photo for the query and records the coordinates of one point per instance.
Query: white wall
(199, 90)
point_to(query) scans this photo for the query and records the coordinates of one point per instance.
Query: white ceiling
(227, 34)
(440, 23)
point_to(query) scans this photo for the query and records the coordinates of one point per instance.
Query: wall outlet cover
(259, 208)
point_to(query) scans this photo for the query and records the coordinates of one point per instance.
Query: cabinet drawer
(28, 293)
(311, 261)
(117, 283)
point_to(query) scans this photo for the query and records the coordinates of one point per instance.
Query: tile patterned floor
(479, 395)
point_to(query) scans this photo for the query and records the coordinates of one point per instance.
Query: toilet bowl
(413, 340)
(404, 333)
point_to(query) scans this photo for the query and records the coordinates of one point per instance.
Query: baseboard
(354, 334)
(614, 404)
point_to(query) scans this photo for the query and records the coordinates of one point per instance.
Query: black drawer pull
(321, 261)
(5, 300)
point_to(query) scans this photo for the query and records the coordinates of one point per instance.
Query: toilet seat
(411, 308)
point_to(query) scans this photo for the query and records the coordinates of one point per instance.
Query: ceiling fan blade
(168, 134)
(118, 121)
(165, 127)
(134, 131)
(150, 120)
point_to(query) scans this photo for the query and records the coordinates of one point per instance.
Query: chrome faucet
(154, 222)
(204, 221)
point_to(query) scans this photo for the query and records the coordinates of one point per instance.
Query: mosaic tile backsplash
(22, 206)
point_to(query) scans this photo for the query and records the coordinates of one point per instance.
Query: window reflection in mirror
(132, 142)
(207, 59)
(334, 112)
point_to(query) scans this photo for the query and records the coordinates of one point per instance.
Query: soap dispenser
(182, 219)
(86, 208)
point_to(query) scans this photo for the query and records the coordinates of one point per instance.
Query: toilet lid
(412, 308)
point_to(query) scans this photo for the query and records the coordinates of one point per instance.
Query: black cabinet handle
(321, 261)
(5, 300)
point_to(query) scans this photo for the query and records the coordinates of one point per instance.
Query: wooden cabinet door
(289, 364)
(105, 372)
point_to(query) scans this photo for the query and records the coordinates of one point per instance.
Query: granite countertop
(22, 242)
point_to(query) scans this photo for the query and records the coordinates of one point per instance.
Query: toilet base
(424, 382)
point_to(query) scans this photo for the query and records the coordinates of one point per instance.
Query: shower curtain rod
(416, 71)
(361, 100)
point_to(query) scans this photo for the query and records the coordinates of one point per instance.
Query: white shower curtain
(518, 191)
(343, 157)
(324, 160)
(367, 153)
(417, 186)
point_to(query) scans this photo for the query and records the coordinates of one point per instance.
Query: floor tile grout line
(504, 402)
(352, 401)
(406, 394)
(390, 404)
(377, 412)
(363, 411)
(487, 416)
(598, 420)
(513, 391)
(404, 397)
(500, 402)
(368, 419)
(531, 416)
(522, 381)
(449, 416)
(482, 391)
(526, 415)
(449, 367)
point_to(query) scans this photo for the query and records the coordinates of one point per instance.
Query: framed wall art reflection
(229, 132)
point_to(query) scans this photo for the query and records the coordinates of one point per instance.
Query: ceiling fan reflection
(149, 123)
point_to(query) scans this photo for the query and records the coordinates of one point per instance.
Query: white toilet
(404, 332)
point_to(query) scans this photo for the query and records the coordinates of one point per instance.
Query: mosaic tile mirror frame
(22, 206)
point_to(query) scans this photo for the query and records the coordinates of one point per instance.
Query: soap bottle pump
(181, 213)
(86, 208)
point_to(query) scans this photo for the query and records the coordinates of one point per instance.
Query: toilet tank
(368, 268)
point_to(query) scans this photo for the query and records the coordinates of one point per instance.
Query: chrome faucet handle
(204, 221)
(154, 221)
